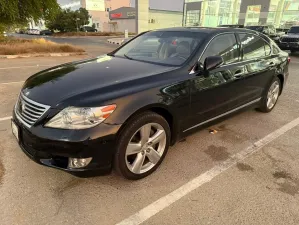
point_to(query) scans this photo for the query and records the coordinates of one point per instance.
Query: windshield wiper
(128, 57)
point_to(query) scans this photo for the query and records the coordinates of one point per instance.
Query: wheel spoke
(153, 156)
(273, 100)
(275, 90)
(145, 132)
(158, 136)
(138, 163)
(269, 100)
(133, 148)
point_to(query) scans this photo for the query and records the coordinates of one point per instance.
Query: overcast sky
(166, 4)
(154, 4)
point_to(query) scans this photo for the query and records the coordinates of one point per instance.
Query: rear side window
(254, 46)
(224, 45)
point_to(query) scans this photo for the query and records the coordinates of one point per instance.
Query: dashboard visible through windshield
(163, 47)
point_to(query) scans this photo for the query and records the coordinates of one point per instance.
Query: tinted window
(224, 45)
(294, 30)
(275, 48)
(256, 28)
(163, 47)
(254, 46)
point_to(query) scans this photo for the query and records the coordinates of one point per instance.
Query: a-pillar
(142, 11)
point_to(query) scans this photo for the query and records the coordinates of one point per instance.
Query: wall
(122, 25)
(164, 19)
(102, 17)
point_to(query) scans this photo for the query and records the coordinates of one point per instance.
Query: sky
(176, 5)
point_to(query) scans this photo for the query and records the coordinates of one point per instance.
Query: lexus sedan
(123, 110)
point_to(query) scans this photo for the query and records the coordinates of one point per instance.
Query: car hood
(96, 76)
(292, 35)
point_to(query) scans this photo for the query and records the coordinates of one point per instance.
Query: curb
(116, 41)
(42, 55)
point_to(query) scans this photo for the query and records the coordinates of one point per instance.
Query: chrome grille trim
(290, 39)
(30, 111)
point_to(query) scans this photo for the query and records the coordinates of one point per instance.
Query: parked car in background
(290, 41)
(45, 32)
(126, 108)
(88, 29)
(268, 30)
(232, 25)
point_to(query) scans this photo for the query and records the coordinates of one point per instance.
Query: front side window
(163, 47)
(224, 45)
(254, 46)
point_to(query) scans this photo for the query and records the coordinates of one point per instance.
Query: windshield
(163, 47)
(294, 30)
(256, 28)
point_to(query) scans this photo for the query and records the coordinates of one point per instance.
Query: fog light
(78, 163)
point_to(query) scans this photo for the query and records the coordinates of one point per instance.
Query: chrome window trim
(224, 114)
(241, 61)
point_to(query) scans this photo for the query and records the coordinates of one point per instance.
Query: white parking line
(157, 206)
(6, 68)
(15, 82)
(5, 118)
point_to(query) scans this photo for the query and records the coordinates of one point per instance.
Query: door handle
(238, 74)
(270, 63)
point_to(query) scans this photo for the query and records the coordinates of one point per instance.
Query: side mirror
(212, 62)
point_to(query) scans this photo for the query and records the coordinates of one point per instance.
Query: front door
(219, 92)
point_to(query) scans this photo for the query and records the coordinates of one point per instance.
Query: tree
(67, 20)
(21, 11)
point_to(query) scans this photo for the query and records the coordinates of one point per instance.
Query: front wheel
(142, 146)
(270, 98)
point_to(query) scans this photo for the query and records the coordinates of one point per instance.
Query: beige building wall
(122, 25)
(142, 7)
(162, 19)
(102, 17)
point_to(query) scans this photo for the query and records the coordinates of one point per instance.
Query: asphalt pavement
(246, 173)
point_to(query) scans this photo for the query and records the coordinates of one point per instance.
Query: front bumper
(52, 147)
(288, 45)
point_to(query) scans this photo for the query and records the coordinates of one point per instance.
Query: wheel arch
(281, 78)
(161, 110)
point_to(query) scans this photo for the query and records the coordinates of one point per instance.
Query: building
(280, 13)
(98, 9)
(124, 18)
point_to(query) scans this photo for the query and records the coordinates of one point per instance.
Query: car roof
(208, 30)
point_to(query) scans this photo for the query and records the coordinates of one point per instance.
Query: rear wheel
(142, 146)
(270, 98)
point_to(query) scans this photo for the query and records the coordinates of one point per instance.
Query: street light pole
(77, 23)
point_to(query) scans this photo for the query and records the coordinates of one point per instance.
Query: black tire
(263, 107)
(125, 136)
(293, 51)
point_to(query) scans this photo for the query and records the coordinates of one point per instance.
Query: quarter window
(254, 46)
(224, 45)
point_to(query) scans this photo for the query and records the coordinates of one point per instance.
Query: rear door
(258, 66)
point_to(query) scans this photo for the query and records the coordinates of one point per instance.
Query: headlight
(80, 118)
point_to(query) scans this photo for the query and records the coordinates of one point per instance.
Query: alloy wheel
(145, 148)
(273, 94)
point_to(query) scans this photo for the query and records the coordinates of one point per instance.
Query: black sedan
(123, 110)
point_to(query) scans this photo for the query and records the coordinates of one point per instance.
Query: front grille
(28, 111)
(289, 39)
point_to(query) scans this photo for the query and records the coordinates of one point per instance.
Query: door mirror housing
(212, 62)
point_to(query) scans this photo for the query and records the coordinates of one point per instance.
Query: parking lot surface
(246, 173)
